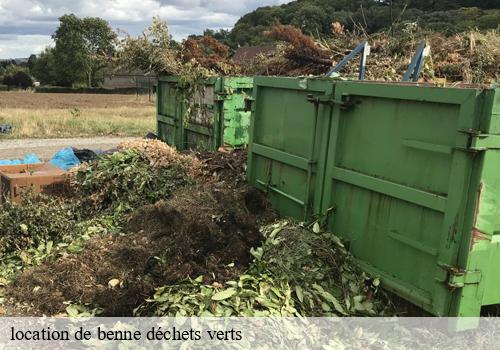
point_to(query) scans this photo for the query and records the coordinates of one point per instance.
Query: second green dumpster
(203, 115)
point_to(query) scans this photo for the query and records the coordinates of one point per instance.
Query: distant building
(249, 53)
(129, 80)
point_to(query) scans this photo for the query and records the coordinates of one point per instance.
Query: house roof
(250, 52)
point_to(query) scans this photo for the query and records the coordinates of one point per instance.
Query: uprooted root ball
(199, 231)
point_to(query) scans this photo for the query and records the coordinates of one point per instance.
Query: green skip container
(408, 175)
(209, 116)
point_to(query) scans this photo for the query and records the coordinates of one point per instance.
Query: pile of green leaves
(298, 271)
(125, 180)
(36, 220)
(71, 241)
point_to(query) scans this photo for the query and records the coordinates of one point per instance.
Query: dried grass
(472, 57)
(162, 155)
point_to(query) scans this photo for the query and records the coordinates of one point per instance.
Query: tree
(44, 68)
(315, 16)
(153, 51)
(99, 41)
(17, 76)
(82, 47)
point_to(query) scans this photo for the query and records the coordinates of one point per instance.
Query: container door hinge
(222, 96)
(345, 102)
(458, 278)
(248, 103)
(480, 142)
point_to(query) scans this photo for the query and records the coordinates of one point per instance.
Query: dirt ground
(45, 148)
(31, 100)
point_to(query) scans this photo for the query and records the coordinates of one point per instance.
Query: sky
(26, 26)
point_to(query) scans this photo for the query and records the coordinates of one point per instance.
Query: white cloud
(22, 45)
(31, 18)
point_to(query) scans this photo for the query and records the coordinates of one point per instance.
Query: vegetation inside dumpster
(207, 245)
(468, 57)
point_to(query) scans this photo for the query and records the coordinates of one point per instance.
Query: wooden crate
(43, 177)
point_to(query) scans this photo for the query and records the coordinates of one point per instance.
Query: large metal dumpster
(409, 176)
(207, 117)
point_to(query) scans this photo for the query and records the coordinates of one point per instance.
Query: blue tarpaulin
(65, 159)
(28, 159)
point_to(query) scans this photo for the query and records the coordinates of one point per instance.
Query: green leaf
(73, 310)
(316, 227)
(225, 294)
(198, 279)
(257, 253)
(299, 293)
(48, 247)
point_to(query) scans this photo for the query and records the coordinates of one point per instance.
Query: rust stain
(476, 234)
(476, 210)
(452, 232)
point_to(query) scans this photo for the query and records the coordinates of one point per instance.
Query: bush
(18, 77)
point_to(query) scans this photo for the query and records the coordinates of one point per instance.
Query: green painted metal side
(215, 114)
(409, 176)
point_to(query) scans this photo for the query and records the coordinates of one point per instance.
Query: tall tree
(82, 46)
(44, 68)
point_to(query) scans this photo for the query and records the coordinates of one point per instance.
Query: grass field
(38, 115)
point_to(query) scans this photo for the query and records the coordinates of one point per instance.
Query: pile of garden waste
(149, 231)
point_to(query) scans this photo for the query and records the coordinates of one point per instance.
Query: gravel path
(45, 148)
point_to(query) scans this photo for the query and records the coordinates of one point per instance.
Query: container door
(201, 129)
(286, 152)
(397, 178)
(236, 92)
(169, 111)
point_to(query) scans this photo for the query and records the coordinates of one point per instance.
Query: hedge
(97, 90)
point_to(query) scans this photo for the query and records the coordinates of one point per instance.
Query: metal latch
(222, 96)
(483, 142)
(480, 142)
(344, 103)
(458, 278)
(248, 102)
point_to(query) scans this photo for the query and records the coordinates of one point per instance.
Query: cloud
(29, 19)
(18, 46)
